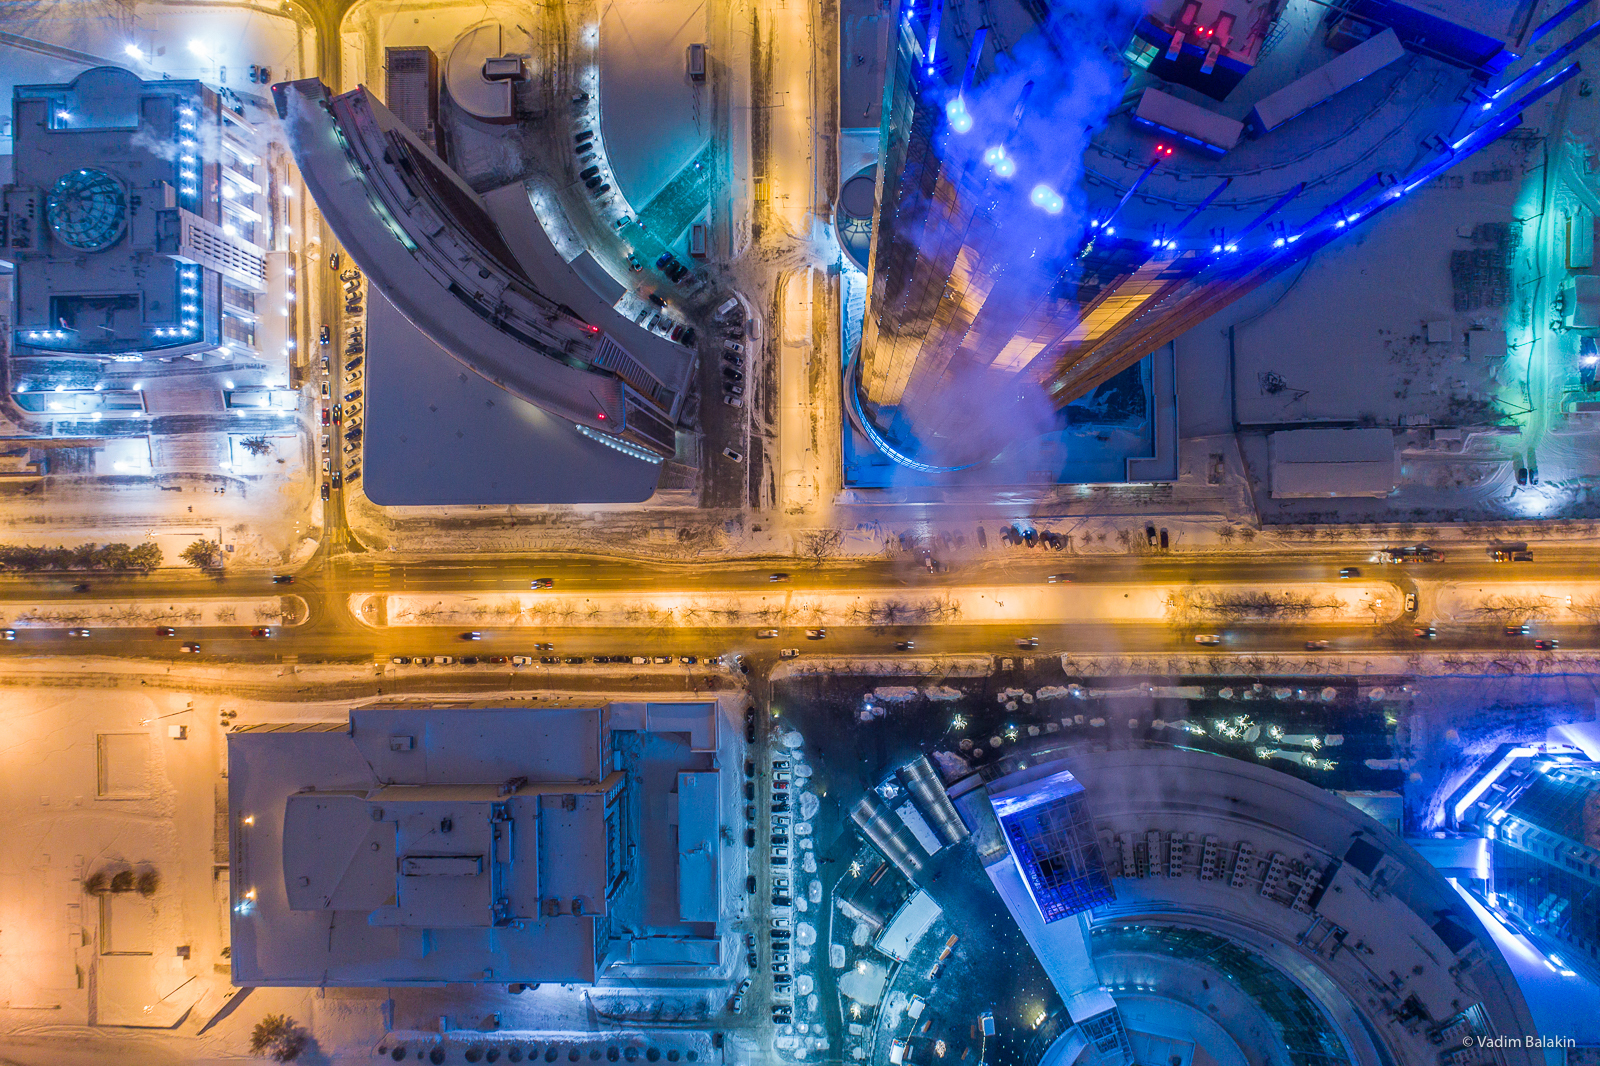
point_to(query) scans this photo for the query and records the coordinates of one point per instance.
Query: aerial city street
(773, 532)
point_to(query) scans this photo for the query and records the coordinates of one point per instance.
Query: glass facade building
(1543, 823)
(1074, 196)
(1052, 837)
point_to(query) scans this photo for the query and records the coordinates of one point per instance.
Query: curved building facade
(426, 239)
(1186, 908)
(1059, 197)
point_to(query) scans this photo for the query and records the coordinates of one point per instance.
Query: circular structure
(857, 200)
(1187, 907)
(87, 209)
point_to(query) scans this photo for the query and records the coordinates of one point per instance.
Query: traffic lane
(878, 642)
(592, 575)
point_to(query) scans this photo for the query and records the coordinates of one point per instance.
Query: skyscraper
(1059, 196)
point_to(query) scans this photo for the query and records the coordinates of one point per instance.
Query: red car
(166, 631)
(262, 632)
(325, 418)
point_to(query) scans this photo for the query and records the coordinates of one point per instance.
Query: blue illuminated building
(1048, 828)
(1058, 197)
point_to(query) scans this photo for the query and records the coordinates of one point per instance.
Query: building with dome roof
(132, 220)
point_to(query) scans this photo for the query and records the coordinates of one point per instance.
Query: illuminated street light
(1050, 201)
(132, 51)
(960, 118)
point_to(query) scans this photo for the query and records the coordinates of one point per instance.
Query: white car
(789, 653)
(766, 634)
(1207, 639)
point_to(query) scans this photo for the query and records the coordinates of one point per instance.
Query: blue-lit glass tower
(1058, 196)
(1048, 829)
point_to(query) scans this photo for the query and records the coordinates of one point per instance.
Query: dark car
(749, 732)
(326, 335)
(905, 645)
(338, 413)
(338, 479)
(750, 884)
(1547, 645)
(550, 659)
(731, 374)
(1425, 633)
(749, 838)
(81, 587)
(333, 260)
(498, 659)
(573, 660)
(354, 394)
(469, 660)
(283, 579)
(543, 583)
(1350, 571)
(472, 634)
(1517, 631)
(777, 577)
(325, 490)
(352, 364)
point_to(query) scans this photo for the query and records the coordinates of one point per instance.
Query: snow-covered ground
(273, 610)
(1327, 602)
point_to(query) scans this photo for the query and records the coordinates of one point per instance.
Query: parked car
(354, 394)
(731, 454)
(733, 346)
(733, 401)
(1411, 602)
(789, 653)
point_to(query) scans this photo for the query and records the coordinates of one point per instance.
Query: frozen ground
(1332, 603)
(101, 615)
(653, 117)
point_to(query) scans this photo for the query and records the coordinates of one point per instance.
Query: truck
(698, 237)
(986, 1022)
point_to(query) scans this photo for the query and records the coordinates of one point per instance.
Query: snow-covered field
(271, 610)
(1327, 602)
